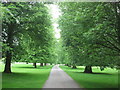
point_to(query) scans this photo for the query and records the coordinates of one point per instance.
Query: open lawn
(99, 79)
(25, 76)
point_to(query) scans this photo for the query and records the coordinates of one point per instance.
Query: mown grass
(25, 76)
(99, 79)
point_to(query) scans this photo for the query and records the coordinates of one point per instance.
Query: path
(59, 79)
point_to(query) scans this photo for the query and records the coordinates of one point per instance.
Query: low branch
(114, 46)
(113, 38)
(107, 46)
(112, 54)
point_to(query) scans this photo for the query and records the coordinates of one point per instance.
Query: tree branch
(107, 46)
(114, 46)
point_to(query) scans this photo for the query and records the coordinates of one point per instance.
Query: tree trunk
(26, 62)
(69, 65)
(117, 8)
(8, 62)
(74, 67)
(66, 65)
(50, 63)
(34, 64)
(41, 64)
(9, 42)
(45, 64)
(88, 69)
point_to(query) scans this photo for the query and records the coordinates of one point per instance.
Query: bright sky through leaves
(55, 15)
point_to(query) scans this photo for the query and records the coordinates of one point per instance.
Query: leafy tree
(27, 33)
(89, 33)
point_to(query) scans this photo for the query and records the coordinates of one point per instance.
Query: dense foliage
(91, 33)
(27, 33)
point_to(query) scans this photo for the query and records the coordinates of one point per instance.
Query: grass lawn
(25, 76)
(99, 79)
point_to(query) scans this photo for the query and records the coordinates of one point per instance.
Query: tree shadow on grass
(94, 85)
(16, 73)
(102, 73)
(95, 73)
(23, 89)
(27, 67)
(77, 68)
(70, 68)
(38, 67)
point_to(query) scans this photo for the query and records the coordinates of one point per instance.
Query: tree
(89, 34)
(27, 33)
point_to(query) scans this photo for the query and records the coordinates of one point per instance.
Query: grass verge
(25, 76)
(99, 79)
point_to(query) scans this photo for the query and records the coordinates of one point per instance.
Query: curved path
(59, 79)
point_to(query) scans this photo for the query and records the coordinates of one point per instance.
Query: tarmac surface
(60, 79)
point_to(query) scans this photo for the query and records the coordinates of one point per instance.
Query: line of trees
(90, 34)
(27, 33)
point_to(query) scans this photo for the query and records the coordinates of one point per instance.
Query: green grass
(99, 79)
(25, 76)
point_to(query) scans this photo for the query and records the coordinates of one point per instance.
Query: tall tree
(26, 27)
(89, 34)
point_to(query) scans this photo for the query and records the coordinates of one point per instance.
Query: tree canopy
(27, 33)
(90, 33)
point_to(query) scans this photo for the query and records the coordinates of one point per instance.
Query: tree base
(7, 71)
(41, 64)
(69, 66)
(34, 64)
(26, 62)
(88, 69)
(74, 67)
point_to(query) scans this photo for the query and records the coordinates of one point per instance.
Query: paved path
(59, 79)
